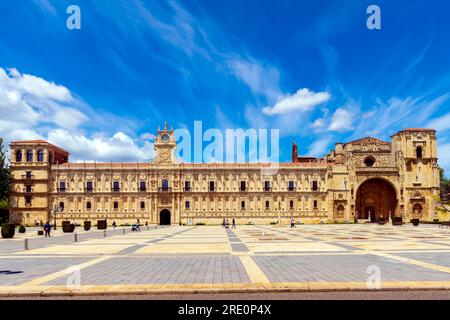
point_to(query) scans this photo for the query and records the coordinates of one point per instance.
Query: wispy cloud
(301, 101)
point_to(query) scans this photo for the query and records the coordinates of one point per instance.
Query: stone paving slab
(25, 269)
(331, 268)
(161, 270)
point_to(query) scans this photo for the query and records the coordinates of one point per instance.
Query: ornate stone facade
(362, 177)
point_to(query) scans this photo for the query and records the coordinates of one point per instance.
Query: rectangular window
(291, 186)
(89, 186)
(187, 186)
(116, 186)
(142, 186)
(211, 186)
(28, 188)
(28, 200)
(267, 186)
(267, 205)
(315, 186)
(187, 205)
(28, 174)
(62, 186)
(116, 205)
(243, 186)
(142, 205)
(291, 204)
(165, 185)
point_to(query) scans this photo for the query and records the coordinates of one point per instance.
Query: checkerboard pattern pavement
(216, 258)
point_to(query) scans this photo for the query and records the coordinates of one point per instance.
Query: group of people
(226, 223)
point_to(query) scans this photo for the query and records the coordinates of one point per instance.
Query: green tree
(4, 184)
(445, 183)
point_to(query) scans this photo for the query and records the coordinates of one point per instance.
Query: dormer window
(369, 161)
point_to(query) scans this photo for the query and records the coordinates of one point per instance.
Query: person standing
(233, 224)
(223, 223)
(47, 229)
(292, 222)
(114, 225)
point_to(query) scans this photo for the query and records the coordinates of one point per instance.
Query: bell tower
(165, 146)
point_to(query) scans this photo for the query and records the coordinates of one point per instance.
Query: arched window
(40, 156)
(267, 204)
(88, 205)
(419, 152)
(61, 205)
(369, 161)
(187, 205)
(315, 204)
(19, 155)
(30, 156)
(417, 210)
(291, 204)
(242, 204)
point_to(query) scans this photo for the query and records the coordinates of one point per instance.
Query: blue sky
(309, 68)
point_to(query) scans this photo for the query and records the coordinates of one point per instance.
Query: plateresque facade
(365, 179)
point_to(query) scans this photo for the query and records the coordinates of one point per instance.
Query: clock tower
(165, 146)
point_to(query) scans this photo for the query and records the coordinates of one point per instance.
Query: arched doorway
(164, 217)
(376, 198)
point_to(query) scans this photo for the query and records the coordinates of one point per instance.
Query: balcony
(88, 189)
(164, 189)
(27, 190)
(115, 189)
(376, 169)
(142, 189)
(28, 176)
(267, 189)
(62, 189)
(187, 189)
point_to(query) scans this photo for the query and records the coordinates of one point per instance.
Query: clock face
(165, 138)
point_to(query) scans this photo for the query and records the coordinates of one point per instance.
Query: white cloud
(318, 124)
(34, 108)
(319, 147)
(341, 120)
(303, 100)
(444, 156)
(440, 124)
(262, 79)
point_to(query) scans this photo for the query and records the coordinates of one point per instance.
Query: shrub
(22, 229)
(8, 230)
(101, 224)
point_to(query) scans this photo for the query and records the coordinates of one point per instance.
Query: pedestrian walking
(233, 224)
(292, 223)
(114, 225)
(47, 229)
(223, 223)
(227, 223)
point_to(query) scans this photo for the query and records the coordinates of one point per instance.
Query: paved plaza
(189, 259)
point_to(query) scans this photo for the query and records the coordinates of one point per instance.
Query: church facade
(363, 179)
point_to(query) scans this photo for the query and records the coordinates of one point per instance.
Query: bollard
(75, 237)
(26, 244)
